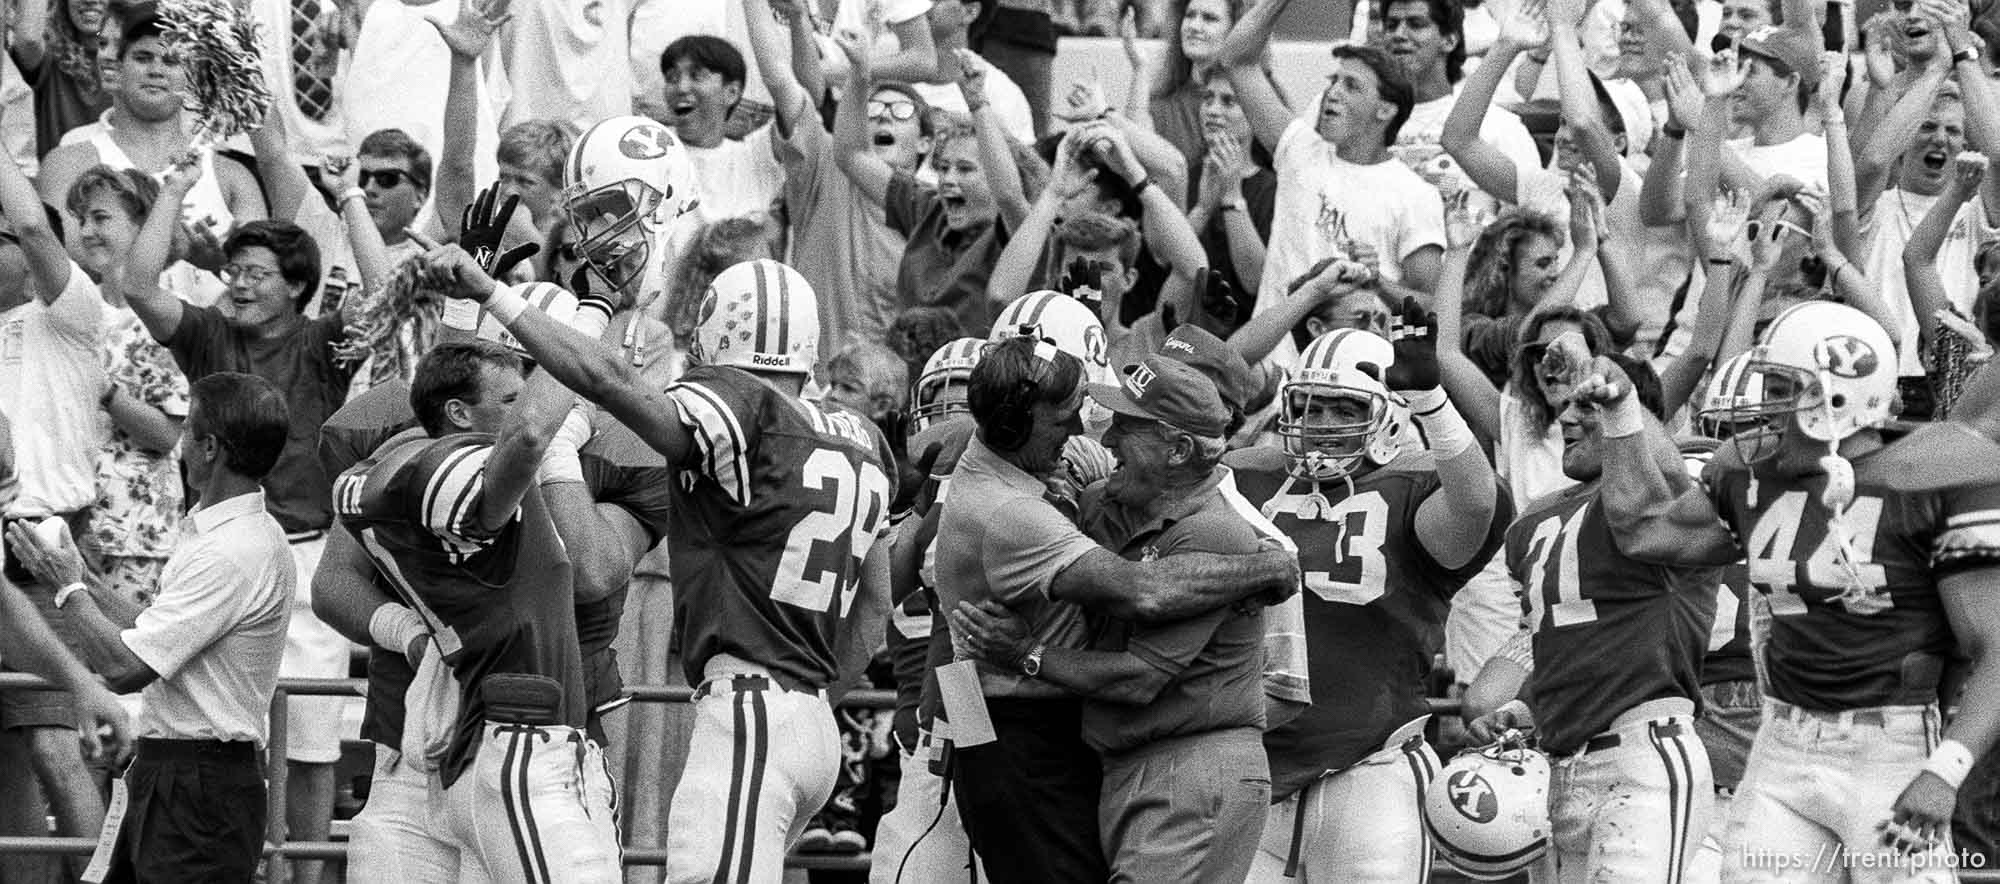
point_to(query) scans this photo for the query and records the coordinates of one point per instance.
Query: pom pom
(220, 52)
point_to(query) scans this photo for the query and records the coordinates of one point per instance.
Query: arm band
(506, 304)
(1951, 761)
(1444, 428)
(1624, 419)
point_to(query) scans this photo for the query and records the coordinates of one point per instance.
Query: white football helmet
(952, 363)
(758, 315)
(549, 298)
(1341, 364)
(1063, 321)
(1826, 364)
(1488, 810)
(626, 180)
(1731, 409)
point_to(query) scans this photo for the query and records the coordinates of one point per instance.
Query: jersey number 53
(824, 553)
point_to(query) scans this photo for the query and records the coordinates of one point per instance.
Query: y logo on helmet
(1472, 796)
(1094, 346)
(1846, 356)
(647, 142)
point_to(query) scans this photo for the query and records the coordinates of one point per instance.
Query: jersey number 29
(824, 553)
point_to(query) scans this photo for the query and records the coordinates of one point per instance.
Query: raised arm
(1578, 99)
(48, 262)
(28, 27)
(1920, 253)
(1662, 199)
(1894, 133)
(1174, 587)
(788, 94)
(467, 36)
(1454, 522)
(915, 58)
(1655, 512)
(1239, 55)
(1714, 244)
(581, 363)
(996, 152)
(1842, 195)
(869, 173)
(1483, 162)
(158, 309)
(286, 186)
(1980, 98)
(1164, 163)
(1470, 391)
(1255, 339)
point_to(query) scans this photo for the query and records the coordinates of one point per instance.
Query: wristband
(353, 193)
(1722, 262)
(63, 594)
(1227, 207)
(394, 626)
(559, 464)
(506, 304)
(575, 429)
(592, 316)
(1964, 55)
(1139, 187)
(1622, 420)
(1445, 430)
(1951, 761)
(1669, 130)
(461, 315)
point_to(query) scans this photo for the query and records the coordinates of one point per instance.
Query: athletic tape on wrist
(393, 627)
(575, 429)
(1444, 428)
(461, 314)
(559, 464)
(506, 304)
(1951, 761)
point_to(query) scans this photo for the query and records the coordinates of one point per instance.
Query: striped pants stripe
(1364, 824)
(760, 763)
(1634, 813)
(536, 807)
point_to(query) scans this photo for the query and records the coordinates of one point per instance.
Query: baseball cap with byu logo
(1168, 391)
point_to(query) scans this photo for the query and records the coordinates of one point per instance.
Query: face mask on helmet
(612, 234)
(1327, 428)
(1758, 409)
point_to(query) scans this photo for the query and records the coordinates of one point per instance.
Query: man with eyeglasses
(272, 269)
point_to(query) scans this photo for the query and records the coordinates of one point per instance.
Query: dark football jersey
(1374, 597)
(1728, 656)
(1610, 632)
(773, 513)
(1856, 619)
(348, 437)
(497, 604)
(622, 470)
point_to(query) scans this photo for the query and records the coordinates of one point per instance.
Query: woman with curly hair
(1513, 266)
(56, 45)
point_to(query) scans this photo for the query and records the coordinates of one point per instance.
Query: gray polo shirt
(999, 539)
(1215, 660)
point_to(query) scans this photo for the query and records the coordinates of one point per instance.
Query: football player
(1869, 588)
(1620, 619)
(1385, 539)
(776, 508)
(456, 515)
(627, 185)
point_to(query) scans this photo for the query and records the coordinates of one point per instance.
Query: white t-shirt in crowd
(1658, 257)
(1527, 458)
(557, 56)
(1884, 233)
(1009, 104)
(1418, 143)
(1803, 158)
(737, 179)
(400, 74)
(656, 24)
(216, 633)
(51, 378)
(1325, 203)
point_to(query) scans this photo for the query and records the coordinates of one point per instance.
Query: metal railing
(279, 850)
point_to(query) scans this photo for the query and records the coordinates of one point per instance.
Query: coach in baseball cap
(1174, 710)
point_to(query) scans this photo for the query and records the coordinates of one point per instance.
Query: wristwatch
(1962, 56)
(63, 594)
(1235, 206)
(1031, 665)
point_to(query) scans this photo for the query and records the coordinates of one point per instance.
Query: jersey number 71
(824, 553)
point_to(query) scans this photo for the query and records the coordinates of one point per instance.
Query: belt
(157, 749)
(1602, 742)
(1877, 716)
(306, 536)
(740, 684)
